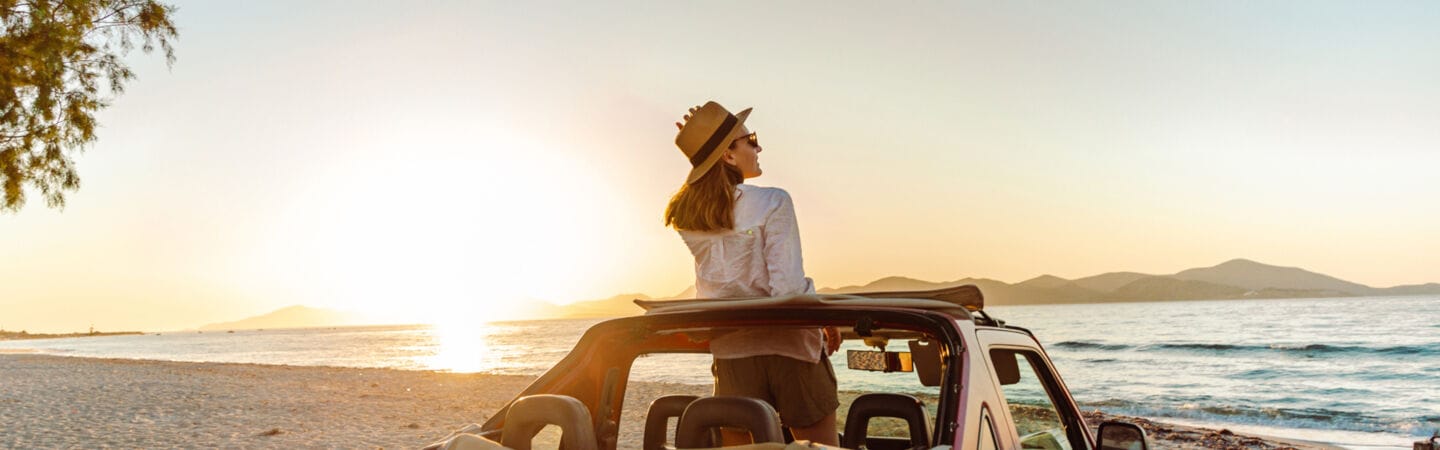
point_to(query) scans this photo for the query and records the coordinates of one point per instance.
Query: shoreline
(25, 336)
(65, 401)
(1171, 435)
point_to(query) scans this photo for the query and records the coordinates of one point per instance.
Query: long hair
(709, 203)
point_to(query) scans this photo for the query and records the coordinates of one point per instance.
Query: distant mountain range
(1234, 279)
(291, 317)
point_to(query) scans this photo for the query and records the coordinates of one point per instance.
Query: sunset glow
(462, 348)
(486, 159)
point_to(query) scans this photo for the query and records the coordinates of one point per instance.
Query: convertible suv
(966, 380)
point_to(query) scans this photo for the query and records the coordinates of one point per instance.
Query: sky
(443, 160)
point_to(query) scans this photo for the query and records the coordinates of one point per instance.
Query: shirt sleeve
(782, 250)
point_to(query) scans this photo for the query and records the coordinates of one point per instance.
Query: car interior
(895, 411)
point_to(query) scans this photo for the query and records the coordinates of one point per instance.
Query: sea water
(1355, 371)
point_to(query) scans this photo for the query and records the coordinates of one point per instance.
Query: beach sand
(51, 401)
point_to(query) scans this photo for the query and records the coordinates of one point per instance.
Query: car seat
(754, 415)
(528, 415)
(900, 406)
(658, 419)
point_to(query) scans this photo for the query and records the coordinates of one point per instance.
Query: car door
(1035, 411)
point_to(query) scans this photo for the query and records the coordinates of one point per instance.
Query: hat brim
(700, 170)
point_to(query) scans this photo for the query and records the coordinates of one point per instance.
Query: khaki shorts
(802, 392)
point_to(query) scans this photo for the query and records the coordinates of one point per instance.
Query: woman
(746, 243)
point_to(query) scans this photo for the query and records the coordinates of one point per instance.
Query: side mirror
(1122, 436)
(1430, 444)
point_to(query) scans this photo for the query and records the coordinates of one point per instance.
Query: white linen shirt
(760, 257)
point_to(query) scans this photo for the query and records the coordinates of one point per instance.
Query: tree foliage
(60, 63)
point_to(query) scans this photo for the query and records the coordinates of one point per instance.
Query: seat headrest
(531, 413)
(658, 419)
(703, 414)
(899, 406)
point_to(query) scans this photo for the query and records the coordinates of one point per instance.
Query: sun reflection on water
(461, 348)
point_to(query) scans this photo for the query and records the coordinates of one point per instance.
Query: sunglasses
(752, 137)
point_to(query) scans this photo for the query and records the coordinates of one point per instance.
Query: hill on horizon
(296, 316)
(1252, 275)
(1233, 279)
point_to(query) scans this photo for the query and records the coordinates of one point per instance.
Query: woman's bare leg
(822, 432)
(734, 436)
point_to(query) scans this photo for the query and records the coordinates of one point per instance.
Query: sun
(477, 234)
(462, 347)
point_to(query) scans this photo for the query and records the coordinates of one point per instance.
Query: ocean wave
(1395, 350)
(1340, 391)
(1391, 376)
(1215, 347)
(1306, 349)
(1082, 345)
(1299, 350)
(1109, 403)
(1261, 374)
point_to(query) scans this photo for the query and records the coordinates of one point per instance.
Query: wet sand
(51, 401)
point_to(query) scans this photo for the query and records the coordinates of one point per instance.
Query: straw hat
(707, 134)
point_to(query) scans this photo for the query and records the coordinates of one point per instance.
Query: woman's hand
(681, 125)
(832, 340)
